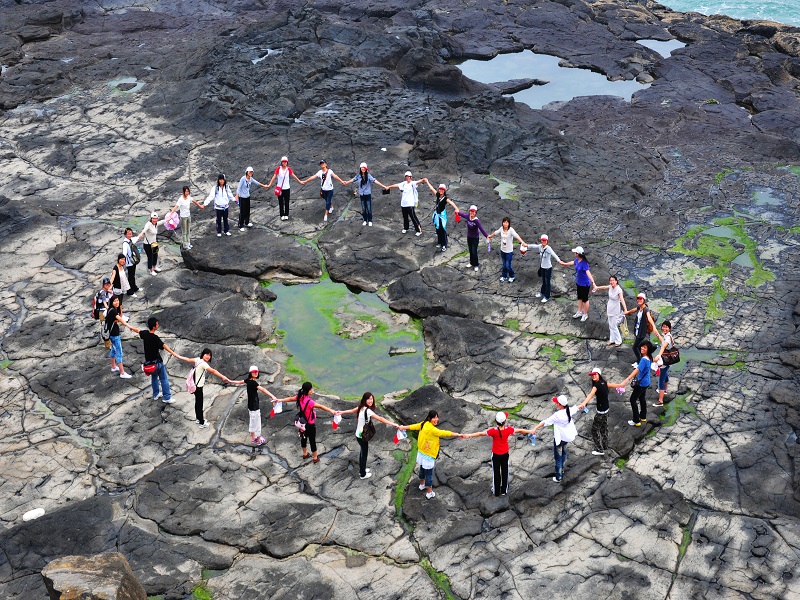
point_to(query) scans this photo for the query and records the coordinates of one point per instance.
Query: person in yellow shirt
(428, 448)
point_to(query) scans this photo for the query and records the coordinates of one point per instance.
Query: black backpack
(136, 256)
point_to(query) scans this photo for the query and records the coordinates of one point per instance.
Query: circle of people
(107, 307)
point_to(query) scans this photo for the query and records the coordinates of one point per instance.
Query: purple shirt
(473, 225)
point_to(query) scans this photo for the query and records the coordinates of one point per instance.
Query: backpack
(136, 256)
(191, 381)
(105, 332)
(97, 306)
(650, 328)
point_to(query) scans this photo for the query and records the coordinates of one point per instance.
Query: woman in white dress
(616, 298)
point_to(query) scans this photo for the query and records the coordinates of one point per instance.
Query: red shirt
(500, 439)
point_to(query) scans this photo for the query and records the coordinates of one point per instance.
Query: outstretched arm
(347, 412)
(385, 421)
(473, 435)
(325, 408)
(268, 393)
(430, 187)
(588, 398)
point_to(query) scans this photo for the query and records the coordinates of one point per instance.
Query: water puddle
(269, 52)
(563, 83)
(127, 85)
(766, 197)
(340, 340)
(721, 231)
(504, 188)
(744, 260)
(665, 49)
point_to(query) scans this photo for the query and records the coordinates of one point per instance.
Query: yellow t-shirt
(428, 440)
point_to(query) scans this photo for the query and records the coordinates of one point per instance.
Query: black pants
(638, 397)
(198, 404)
(408, 213)
(472, 244)
(362, 457)
(600, 432)
(500, 474)
(309, 436)
(283, 203)
(547, 275)
(244, 211)
(441, 235)
(222, 219)
(132, 280)
(152, 256)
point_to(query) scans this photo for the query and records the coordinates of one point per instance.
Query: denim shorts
(116, 348)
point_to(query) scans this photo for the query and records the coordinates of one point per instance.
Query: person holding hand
(507, 235)
(308, 406)
(282, 174)
(364, 179)
(428, 448)
(201, 367)
(254, 403)
(409, 200)
(364, 429)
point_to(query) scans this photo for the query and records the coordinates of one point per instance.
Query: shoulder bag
(369, 428)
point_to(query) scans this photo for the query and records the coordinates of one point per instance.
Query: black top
(115, 281)
(441, 204)
(252, 394)
(152, 346)
(111, 322)
(601, 394)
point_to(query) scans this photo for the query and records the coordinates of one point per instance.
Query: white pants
(255, 422)
(613, 328)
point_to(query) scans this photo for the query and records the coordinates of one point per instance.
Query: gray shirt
(545, 255)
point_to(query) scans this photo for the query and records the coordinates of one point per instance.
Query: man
(564, 432)
(100, 304)
(130, 266)
(644, 325)
(152, 353)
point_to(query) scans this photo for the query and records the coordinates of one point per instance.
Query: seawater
(781, 11)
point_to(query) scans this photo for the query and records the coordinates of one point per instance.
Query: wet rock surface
(688, 192)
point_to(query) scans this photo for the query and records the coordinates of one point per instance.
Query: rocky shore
(688, 192)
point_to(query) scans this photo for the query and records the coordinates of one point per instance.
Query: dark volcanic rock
(100, 577)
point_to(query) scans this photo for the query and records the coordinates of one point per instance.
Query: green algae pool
(340, 340)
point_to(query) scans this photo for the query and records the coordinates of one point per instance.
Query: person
(326, 177)
(119, 278)
(428, 449)
(584, 281)
(440, 214)
(282, 174)
(500, 451)
(130, 266)
(667, 343)
(184, 204)
(645, 324)
(365, 179)
(600, 424)
(409, 199)
(546, 256)
(221, 196)
(254, 403)
(201, 367)
(366, 413)
(641, 372)
(113, 320)
(308, 408)
(564, 432)
(242, 197)
(150, 236)
(615, 314)
(473, 227)
(152, 353)
(100, 304)
(507, 235)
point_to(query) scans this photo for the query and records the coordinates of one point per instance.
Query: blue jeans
(116, 348)
(160, 376)
(328, 195)
(547, 274)
(366, 207)
(507, 270)
(560, 454)
(663, 376)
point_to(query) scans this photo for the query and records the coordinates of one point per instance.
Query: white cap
(363, 166)
(473, 207)
(501, 417)
(248, 170)
(284, 158)
(578, 249)
(562, 400)
(253, 368)
(544, 237)
(594, 370)
(408, 174)
(641, 295)
(154, 215)
(442, 186)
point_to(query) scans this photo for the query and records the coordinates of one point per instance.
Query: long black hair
(363, 403)
(432, 414)
(304, 390)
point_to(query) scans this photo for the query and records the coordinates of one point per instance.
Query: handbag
(386, 192)
(671, 356)
(623, 328)
(150, 367)
(369, 429)
(278, 190)
(300, 421)
(154, 245)
(540, 272)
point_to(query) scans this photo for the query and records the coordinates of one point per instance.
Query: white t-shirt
(506, 239)
(563, 427)
(327, 181)
(362, 420)
(184, 206)
(668, 343)
(282, 178)
(200, 367)
(409, 191)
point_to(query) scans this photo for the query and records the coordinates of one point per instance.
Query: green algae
(201, 592)
(511, 324)
(621, 463)
(722, 175)
(504, 188)
(674, 409)
(439, 579)
(408, 461)
(556, 358)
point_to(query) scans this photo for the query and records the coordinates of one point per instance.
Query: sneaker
(419, 233)
(502, 279)
(538, 294)
(153, 273)
(158, 269)
(643, 420)
(133, 295)
(368, 470)
(249, 224)
(125, 375)
(367, 476)
(159, 395)
(584, 317)
(363, 224)
(242, 229)
(557, 479)
(658, 404)
(189, 247)
(430, 495)
(598, 453)
(577, 315)
(438, 247)
(115, 370)
(544, 300)
(219, 235)
(634, 424)
(205, 425)
(227, 233)
(476, 269)
(510, 280)
(370, 223)
(444, 248)
(422, 486)
(405, 230)
(330, 210)
(197, 421)
(166, 401)
(259, 441)
(325, 218)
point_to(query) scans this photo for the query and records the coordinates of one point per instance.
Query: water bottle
(489, 245)
(586, 409)
(532, 439)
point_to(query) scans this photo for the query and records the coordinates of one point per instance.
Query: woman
(473, 227)
(507, 235)
(616, 298)
(119, 278)
(642, 374)
(221, 196)
(409, 200)
(254, 404)
(600, 424)
(184, 204)
(428, 448)
(201, 367)
(282, 174)
(366, 412)
(308, 408)
(114, 319)
(546, 254)
(326, 177)
(150, 236)
(564, 432)
(584, 281)
(242, 197)
(645, 324)
(667, 343)
(500, 451)
(365, 179)
(440, 214)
